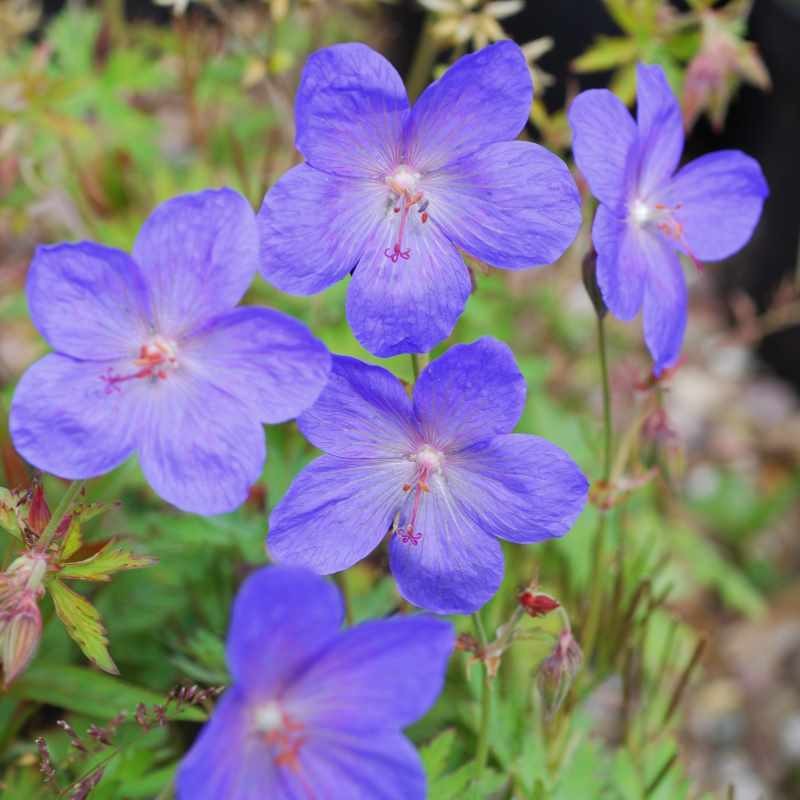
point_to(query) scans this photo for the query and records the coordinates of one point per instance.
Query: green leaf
(8, 517)
(607, 52)
(435, 754)
(84, 691)
(84, 625)
(73, 539)
(437, 758)
(113, 557)
(623, 14)
(452, 785)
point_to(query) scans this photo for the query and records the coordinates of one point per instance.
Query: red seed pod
(537, 605)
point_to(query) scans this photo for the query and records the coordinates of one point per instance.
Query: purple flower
(648, 214)
(152, 357)
(441, 472)
(391, 192)
(316, 713)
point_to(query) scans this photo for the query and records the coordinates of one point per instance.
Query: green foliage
(82, 622)
(89, 693)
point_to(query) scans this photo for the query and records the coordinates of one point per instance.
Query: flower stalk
(598, 547)
(482, 749)
(62, 509)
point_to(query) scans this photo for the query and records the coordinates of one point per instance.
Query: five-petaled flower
(316, 713)
(392, 191)
(648, 214)
(442, 472)
(151, 356)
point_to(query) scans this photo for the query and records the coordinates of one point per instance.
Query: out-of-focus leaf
(86, 691)
(436, 753)
(709, 568)
(623, 14)
(623, 84)
(113, 557)
(437, 758)
(84, 625)
(607, 52)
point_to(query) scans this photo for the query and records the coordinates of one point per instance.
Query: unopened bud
(38, 510)
(20, 632)
(536, 604)
(557, 672)
(21, 587)
(589, 271)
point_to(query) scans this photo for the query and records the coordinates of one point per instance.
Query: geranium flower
(441, 472)
(316, 712)
(648, 213)
(391, 192)
(152, 357)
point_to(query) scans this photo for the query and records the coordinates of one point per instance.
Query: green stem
(608, 424)
(482, 749)
(422, 66)
(596, 587)
(62, 509)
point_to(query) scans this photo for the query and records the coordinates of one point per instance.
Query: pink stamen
(396, 252)
(673, 229)
(288, 740)
(409, 534)
(152, 360)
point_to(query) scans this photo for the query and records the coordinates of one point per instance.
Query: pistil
(403, 184)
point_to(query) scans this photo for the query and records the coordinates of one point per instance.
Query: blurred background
(692, 688)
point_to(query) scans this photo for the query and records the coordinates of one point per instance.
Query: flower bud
(589, 271)
(21, 587)
(557, 672)
(20, 632)
(38, 510)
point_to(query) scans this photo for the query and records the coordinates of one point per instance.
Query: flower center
(664, 218)
(281, 732)
(405, 195)
(158, 357)
(641, 213)
(429, 462)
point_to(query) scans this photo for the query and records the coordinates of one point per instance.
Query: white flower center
(641, 213)
(268, 718)
(403, 180)
(429, 459)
